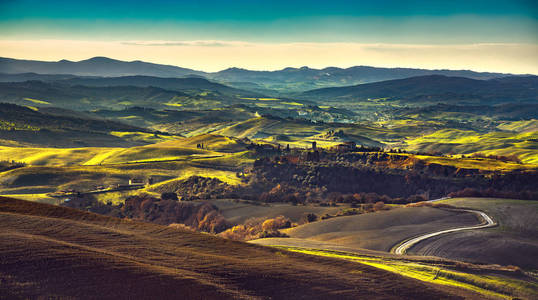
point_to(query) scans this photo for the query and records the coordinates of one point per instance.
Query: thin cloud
(181, 44)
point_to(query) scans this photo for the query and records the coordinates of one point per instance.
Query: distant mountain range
(97, 66)
(436, 88)
(288, 80)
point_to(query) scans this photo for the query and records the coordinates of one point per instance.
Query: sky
(211, 35)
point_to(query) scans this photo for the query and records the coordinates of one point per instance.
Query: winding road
(404, 246)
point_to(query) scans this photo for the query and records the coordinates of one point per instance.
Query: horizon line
(261, 70)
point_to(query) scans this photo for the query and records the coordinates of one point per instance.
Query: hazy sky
(212, 35)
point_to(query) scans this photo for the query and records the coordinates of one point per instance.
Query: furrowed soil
(56, 252)
(513, 242)
(381, 230)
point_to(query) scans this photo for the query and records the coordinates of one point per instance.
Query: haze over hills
(296, 79)
(436, 88)
(196, 152)
(174, 84)
(286, 80)
(96, 66)
(268, 150)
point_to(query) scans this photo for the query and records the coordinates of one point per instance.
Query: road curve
(403, 247)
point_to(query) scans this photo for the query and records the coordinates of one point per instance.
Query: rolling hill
(382, 230)
(173, 84)
(84, 97)
(433, 89)
(81, 255)
(302, 79)
(513, 242)
(96, 66)
(444, 112)
(288, 80)
(27, 126)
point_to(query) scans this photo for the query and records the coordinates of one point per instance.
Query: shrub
(276, 223)
(308, 218)
(269, 234)
(380, 205)
(368, 207)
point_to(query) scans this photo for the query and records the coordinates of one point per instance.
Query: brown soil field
(238, 212)
(513, 242)
(55, 252)
(381, 230)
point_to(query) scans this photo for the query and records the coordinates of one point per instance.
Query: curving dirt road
(404, 246)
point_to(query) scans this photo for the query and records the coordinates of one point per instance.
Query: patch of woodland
(201, 216)
(197, 187)
(255, 228)
(369, 177)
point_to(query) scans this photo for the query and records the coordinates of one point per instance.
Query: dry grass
(56, 252)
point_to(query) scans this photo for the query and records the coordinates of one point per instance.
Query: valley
(215, 186)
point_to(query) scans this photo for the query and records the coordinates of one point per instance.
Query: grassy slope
(513, 242)
(523, 144)
(40, 179)
(210, 141)
(82, 255)
(520, 126)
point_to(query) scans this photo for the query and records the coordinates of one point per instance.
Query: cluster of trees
(335, 181)
(372, 177)
(504, 158)
(493, 193)
(6, 165)
(201, 216)
(356, 178)
(255, 228)
(197, 187)
(89, 203)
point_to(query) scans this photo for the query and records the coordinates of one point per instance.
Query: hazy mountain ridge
(436, 88)
(96, 66)
(287, 80)
(360, 74)
(175, 84)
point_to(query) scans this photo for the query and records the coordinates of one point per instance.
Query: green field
(524, 144)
